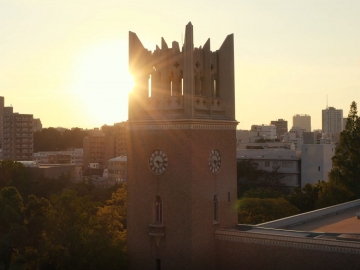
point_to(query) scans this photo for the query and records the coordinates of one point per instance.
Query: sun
(102, 82)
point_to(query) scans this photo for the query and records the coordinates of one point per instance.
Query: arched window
(216, 213)
(158, 210)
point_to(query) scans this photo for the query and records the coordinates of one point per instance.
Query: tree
(255, 210)
(346, 161)
(12, 230)
(304, 198)
(331, 194)
(74, 237)
(250, 176)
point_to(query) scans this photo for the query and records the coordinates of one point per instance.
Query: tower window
(158, 210)
(216, 214)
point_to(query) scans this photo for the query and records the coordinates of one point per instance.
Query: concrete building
(17, 135)
(75, 156)
(264, 131)
(322, 239)
(37, 126)
(245, 136)
(309, 138)
(281, 127)
(53, 170)
(98, 148)
(302, 121)
(332, 121)
(120, 138)
(316, 162)
(285, 160)
(294, 136)
(117, 170)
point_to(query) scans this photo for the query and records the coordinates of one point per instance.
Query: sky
(66, 61)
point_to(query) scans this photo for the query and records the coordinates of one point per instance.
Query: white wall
(316, 162)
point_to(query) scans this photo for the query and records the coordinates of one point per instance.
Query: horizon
(66, 63)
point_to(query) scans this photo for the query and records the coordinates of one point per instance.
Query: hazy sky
(66, 61)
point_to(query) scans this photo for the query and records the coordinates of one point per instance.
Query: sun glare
(102, 83)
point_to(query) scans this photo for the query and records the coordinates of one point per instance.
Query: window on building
(158, 210)
(216, 214)
(319, 168)
(276, 164)
(287, 164)
(267, 163)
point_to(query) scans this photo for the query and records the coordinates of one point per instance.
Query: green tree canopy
(256, 211)
(345, 173)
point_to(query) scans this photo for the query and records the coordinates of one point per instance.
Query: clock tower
(181, 153)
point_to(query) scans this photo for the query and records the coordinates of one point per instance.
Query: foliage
(12, 230)
(50, 139)
(331, 194)
(250, 176)
(346, 161)
(304, 198)
(263, 193)
(14, 174)
(255, 210)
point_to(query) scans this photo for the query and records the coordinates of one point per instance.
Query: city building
(302, 121)
(120, 138)
(17, 135)
(309, 138)
(285, 161)
(37, 126)
(74, 156)
(295, 136)
(281, 127)
(264, 131)
(53, 170)
(117, 170)
(316, 162)
(332, 120)
(98, 148)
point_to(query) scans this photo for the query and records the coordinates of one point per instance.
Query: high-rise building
(120, 139)
(37, 126)
(332, 120)
(17, 135)
(281, 127)
(302, 121)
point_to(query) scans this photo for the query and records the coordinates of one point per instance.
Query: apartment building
(302, 121)
(72, 156)
(17, 135)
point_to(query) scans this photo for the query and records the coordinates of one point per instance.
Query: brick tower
(181, 153)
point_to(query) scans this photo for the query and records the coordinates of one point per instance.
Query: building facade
(316, 162)
(281, 127)
(332, 120)
(302, 121)
(17, 135)
(264, 131)
(285, 161)
(181, 153)
(117, 170)
(75, 156)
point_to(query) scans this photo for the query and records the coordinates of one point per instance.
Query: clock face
(158, 162)
(214, 161)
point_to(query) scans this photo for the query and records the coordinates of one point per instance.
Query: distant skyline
(66, 62)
